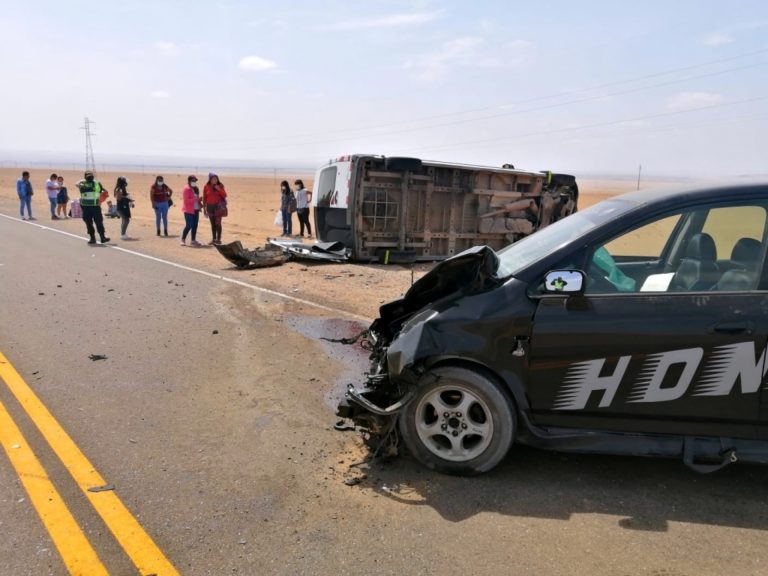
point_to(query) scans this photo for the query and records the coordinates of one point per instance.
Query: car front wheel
(459, 422)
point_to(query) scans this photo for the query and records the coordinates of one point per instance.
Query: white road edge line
(202, 272)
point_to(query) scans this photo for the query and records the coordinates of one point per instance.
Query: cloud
(468, 52)
(718, 39)
(160, 94)
(167, 49)
(693, 100)
(256, 64)
(391, 21)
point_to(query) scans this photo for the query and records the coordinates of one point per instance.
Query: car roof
(697, 193)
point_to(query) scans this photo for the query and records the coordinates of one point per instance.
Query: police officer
(90, 191)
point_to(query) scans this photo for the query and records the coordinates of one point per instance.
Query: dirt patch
(355, 288)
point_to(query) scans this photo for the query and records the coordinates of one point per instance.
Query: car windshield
(523, 253)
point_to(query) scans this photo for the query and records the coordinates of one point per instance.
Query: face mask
(159, 182)
(89, 178)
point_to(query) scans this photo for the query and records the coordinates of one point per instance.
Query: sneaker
(31, 218)
(195, 243)
(212, 242)
(124, 237)
(104, 239)
(92, 240)
(217, 242)
(54, 217)
(183, 243)
(23, 218)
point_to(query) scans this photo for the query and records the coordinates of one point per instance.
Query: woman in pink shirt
(190, 205)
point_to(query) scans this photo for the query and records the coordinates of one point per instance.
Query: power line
(584, 126)
(424, 119)
(515, 112)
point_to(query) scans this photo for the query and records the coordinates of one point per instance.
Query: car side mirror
(564, 282)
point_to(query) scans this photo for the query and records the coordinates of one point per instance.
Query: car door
(670, 335)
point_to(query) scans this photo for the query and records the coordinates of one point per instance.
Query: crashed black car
(637, 326)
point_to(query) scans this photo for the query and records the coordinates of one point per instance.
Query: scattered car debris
(343, 426)
(345, 341)
(320, 251)
(104, 488)
(96, 357)
(248, 259)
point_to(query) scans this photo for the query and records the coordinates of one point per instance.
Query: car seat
(698, 269)
(742, 267)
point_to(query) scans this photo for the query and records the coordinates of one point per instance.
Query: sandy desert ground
(253, 201)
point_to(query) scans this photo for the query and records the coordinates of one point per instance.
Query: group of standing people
(298, 202)
(212, 202)
(55, 189)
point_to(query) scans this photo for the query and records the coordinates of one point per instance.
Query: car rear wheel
(459, 422)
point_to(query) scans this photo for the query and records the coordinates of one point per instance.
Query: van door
(330, 198)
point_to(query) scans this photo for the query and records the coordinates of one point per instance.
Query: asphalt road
(211, 417)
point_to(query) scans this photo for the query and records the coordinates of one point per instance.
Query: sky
(680, 87)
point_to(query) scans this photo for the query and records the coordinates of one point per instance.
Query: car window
(647, 241)
(719, 248)
(523, 253)
(729, 225)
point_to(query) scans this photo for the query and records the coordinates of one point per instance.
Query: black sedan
(637, 326)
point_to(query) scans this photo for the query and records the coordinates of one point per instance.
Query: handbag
(221, 209)
(170, 202)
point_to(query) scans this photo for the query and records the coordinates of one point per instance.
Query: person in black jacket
(124, 205)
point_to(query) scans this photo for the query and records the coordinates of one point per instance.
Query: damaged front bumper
(374, 408)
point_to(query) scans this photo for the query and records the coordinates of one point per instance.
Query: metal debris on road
(96, 357)
(105, 488)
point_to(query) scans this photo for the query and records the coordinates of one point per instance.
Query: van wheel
(460, 422)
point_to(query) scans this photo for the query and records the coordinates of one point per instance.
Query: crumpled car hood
(468, 272)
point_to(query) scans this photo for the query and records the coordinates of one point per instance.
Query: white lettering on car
(648, 387)
(726, 365)
(584, 378)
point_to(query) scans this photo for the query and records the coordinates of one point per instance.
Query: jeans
(124, 221)
(287, 222)
(25, 201)
(191, 221)
(161, 212)
(303, 214)
(53, 202)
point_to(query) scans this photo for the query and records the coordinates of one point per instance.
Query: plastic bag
(279, 218)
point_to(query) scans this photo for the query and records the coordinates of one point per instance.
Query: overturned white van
(407, 209)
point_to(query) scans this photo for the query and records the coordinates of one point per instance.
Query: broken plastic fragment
(105, 488)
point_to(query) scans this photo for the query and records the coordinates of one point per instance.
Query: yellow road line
(77, 553)
(138, 545)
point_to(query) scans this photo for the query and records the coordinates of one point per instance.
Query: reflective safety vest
(89, 193)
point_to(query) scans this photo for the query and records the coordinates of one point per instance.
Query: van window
(326, 186)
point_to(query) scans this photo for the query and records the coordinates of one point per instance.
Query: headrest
(701, 247)
(746, 250)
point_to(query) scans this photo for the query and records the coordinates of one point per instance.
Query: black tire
(467, 441)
